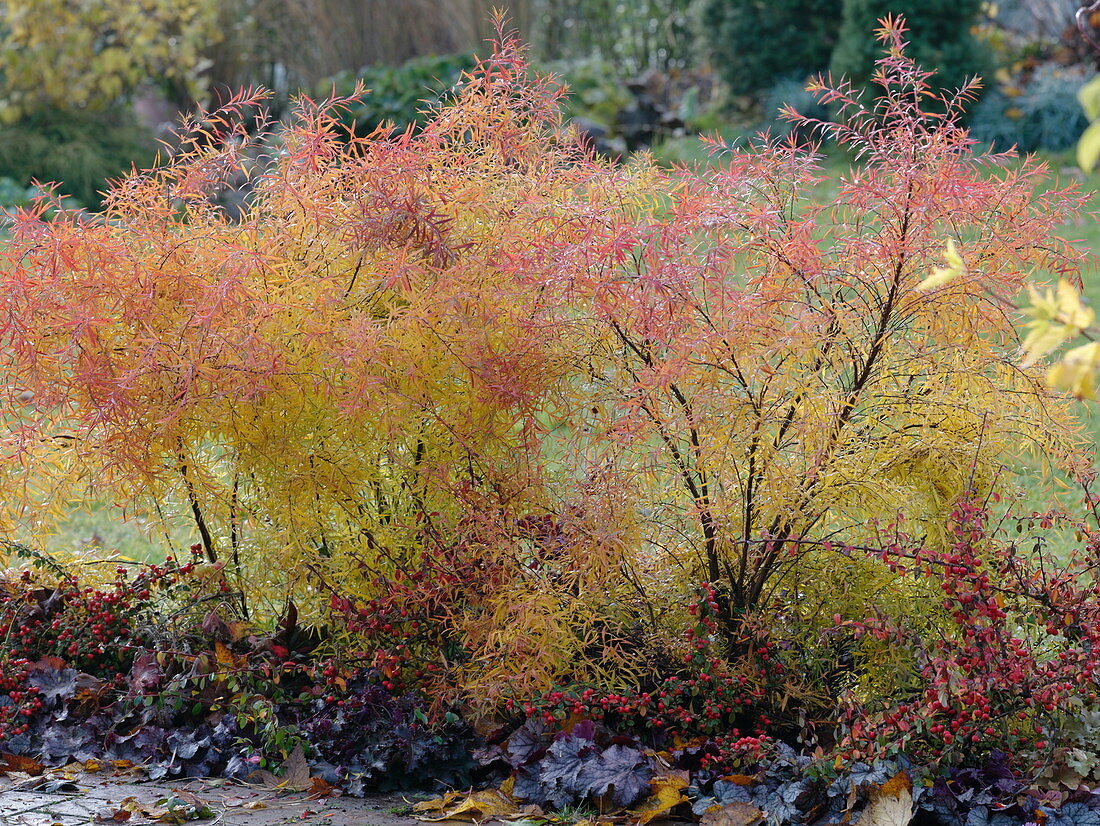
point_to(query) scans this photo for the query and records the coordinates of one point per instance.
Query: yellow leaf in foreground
(1076, 372)
(891, 803)
(1055, 318)
(487, 805)
(942, 275)
(667, 795)
(1088, 147)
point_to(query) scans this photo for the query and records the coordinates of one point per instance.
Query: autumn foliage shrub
(350, 383)
(489, 409)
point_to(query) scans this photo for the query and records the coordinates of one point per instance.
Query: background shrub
(1040, 113)
(305, 41)
(791, 93)
(400, 95)
(596, 89)
(56, 54)
(649, 34)
(755, 43)
(939, 33)
(78, 149)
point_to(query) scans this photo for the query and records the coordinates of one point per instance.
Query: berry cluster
(1015, 648)
(18, 701)
(706, 703)
(90, 627)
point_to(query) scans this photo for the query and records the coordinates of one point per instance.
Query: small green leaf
(1088, 147)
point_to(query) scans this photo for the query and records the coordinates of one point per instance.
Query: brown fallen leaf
(891, 803)
(47, 663)
(295, 774)
(733, 814)
(17, 763)
(318, 789)
(491, 804)
(740, 779)
(123, 812)
(236, 801)
(849, 804)
(116, 816)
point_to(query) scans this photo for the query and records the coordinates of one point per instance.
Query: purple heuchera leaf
(527, 743)
(584, 730)
(620, 770)
(185, 744)
(63, 742)
(1073, 814)
(140, 745)
(528, 784)
(561, 770)
(487, 755)
(55, 685)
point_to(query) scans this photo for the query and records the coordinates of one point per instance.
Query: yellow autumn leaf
(1089, 98)
(1056, 317)
(490, 804)
(226, 658)
(1076, 372)
(942, 275)
(667, 795)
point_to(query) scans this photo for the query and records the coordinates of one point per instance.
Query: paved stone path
(116, 799)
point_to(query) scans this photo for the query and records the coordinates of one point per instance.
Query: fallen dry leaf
(740, 779)
(733, 814)
(116, 816)
(123, 812)
(319, 788)
(891, 803)
(487, 805)
(295, 774)
(667, 794)
(10, 763)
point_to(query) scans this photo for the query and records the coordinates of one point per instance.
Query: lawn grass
(102, 526)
